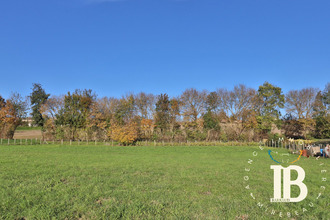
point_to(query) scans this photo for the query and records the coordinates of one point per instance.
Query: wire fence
(39, 141)
(320, 149)
(292, 145)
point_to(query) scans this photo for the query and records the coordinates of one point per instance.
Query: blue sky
(158, 46)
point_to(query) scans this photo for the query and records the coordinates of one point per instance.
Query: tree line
(240, 114)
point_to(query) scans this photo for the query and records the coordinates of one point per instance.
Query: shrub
(124, 134)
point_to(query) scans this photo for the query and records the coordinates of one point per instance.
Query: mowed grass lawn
(102, 182)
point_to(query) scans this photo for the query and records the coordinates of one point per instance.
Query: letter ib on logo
(287, 182)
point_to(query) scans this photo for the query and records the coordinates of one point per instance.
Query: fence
(36, 141)
(270, 143)
(293, 145)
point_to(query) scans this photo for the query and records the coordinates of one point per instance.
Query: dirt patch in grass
(29, 134)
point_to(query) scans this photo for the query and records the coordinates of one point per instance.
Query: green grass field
(95, 182)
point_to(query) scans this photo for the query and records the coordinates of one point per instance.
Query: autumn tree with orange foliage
(7, 119)
(146, 128)
(11, 113)
(125, 134)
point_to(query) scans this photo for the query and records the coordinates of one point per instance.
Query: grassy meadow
(104, 182)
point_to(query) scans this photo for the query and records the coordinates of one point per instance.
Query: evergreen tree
(271, 100)
(38, 97)
(163, 112)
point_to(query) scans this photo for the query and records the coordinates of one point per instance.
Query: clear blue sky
(157, 46)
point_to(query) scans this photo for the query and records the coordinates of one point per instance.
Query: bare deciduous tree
(237, 102)
(145, 105)
(51, 108)
(300, 102)
(193, 103)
